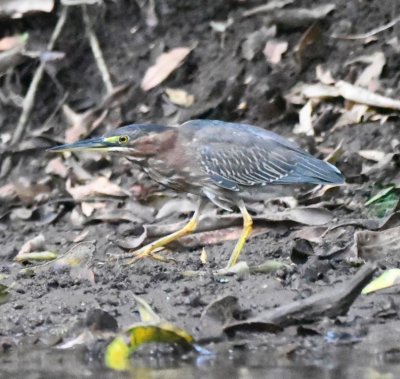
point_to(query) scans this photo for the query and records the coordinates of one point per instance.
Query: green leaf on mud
(388, 279)
(151, 329)
(37, 256)
(117, 355)
(4, 294)
(384, 202)
(146, 312)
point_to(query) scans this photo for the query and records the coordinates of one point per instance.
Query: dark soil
(52, 306)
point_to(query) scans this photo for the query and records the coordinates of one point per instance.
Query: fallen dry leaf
(12, 55)
(7, 193)
(12, 42)
(372, 72)
(18, 8)
(165, 64)
(98, 186)
(356, 114)
(274, 50)
(255, 41)
(305, 124)
(319, 91)
(387, 279)
(82, 124)
(371, 245)
(217, 315)
(173, 206)
(324, 75)
(81, 236)
(89, 207)
(308, 39)
(350, 92)
(179, 97)
(203, 256)
(35, 244)
(57, 167)
(372, 155)
(363, 96)
(30, 193)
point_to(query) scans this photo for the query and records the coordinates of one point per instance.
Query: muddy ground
(53, 305)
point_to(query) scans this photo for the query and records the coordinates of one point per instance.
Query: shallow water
(335, 362)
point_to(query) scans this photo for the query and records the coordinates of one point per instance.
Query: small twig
(96, 50)
(371, 33)
(29, 99)
(31, 94)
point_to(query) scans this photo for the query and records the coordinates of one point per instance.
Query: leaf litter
(323, 229)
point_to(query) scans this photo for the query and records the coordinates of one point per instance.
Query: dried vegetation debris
(279, 65)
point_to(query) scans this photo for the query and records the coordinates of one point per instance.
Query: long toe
(148, 253)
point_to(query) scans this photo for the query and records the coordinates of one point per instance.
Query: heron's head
(136, 141)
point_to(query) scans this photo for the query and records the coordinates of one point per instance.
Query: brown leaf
(165, 64)
(57, 167)
(98, 186)
(30, 193)
(12, 42)
(82, 124)
(274, 50)
(309, 38)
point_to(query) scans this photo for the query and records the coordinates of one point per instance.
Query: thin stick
(371, 33)
(31, 94)
(29, 99)
(96, 50)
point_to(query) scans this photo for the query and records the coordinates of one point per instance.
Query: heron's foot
(148, 251)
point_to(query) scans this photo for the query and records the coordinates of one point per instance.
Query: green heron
(215, 160)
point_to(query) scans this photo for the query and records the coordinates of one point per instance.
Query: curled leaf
(151, 329)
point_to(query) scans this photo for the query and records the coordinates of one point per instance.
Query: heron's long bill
(93, 144)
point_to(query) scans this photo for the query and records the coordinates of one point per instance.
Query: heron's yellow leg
(147, 251)
(247, 228)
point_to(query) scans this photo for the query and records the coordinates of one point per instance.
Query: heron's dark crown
(137, 130)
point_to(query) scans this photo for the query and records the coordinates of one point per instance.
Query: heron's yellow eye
(123, 140)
